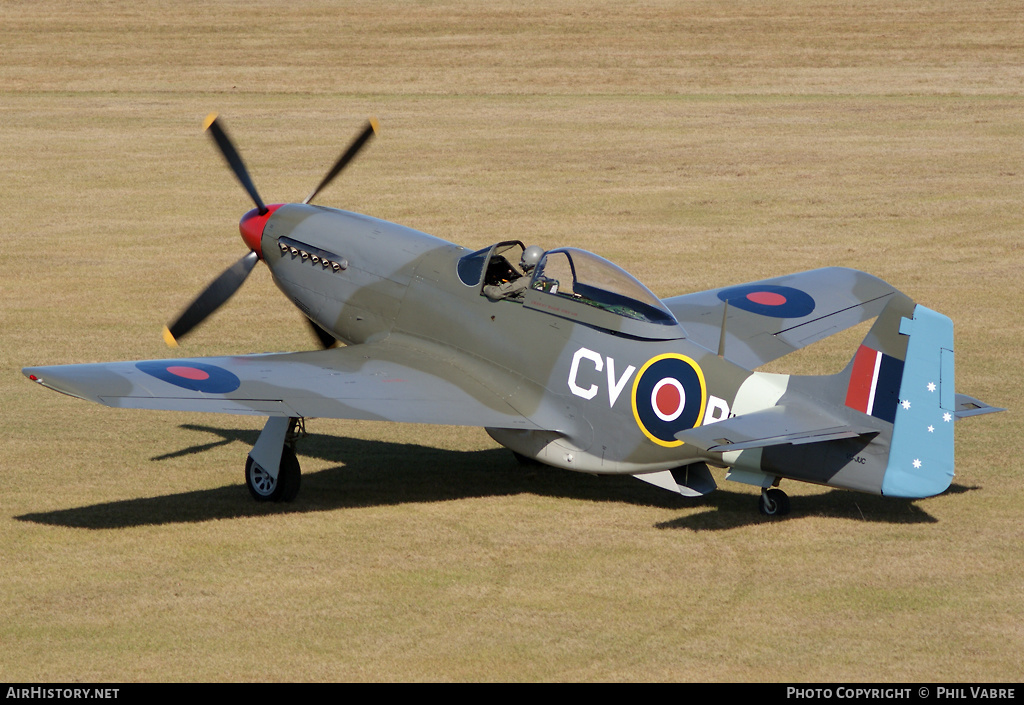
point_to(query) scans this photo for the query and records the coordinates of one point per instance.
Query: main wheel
(265, 488)
(774, 502)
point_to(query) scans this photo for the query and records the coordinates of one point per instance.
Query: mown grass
(696, 144)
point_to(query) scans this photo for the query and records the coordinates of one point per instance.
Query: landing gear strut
(773, 502)
(275, 447)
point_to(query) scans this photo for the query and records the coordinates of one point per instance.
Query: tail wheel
(774, 502)
(264, 488)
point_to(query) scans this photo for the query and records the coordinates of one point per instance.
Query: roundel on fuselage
(669, 395)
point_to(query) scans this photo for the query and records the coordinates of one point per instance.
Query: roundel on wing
(669, 395)
(769, 300)
(195, 376)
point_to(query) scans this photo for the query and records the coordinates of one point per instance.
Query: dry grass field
(697, 144)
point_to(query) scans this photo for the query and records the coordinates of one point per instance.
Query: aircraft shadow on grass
(379, 473)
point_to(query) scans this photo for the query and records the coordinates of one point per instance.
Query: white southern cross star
(917, 463)
(906, 403)
(931, 429)
(947, 417)
(931, 386)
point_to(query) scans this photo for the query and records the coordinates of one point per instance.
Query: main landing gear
(272, 471)
(266, 488)
(774, 502)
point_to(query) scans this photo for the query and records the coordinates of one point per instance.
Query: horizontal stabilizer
(969, 406)
(778, 425)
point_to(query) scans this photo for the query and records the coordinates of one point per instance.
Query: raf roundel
(195, 376)
(769, 300)
(668, 399)
(669, 396)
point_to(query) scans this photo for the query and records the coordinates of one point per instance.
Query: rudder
(922, 456)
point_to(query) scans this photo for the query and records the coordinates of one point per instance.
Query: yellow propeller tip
(209, 120)
(169, 339)
(375, 125)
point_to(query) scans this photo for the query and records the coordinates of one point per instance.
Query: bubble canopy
(578, 285)
(583, 287)
(589, 279)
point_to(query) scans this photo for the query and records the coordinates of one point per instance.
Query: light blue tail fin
(921, 457)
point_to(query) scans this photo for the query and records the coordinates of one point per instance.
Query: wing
(376, 381)
(774, 317)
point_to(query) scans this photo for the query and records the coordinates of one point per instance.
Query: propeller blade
(220, 290)
(326, 339)
(227, 148)
(344, 159)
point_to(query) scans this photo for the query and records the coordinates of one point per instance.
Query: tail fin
(903, 373)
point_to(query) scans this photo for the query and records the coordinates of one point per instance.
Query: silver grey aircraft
(564, 358)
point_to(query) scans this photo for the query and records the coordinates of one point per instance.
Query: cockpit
(570, 283)
(492, 264)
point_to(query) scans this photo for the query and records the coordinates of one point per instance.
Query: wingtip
(209, 121)
(169, 339)
(375, 125)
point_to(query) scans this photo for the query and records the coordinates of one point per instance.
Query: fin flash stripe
(875, 383)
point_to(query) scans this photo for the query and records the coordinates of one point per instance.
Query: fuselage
(553, 359)
(564, 357)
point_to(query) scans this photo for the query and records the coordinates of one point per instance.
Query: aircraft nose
(251, 227)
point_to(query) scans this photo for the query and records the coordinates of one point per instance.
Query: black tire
(264, 488)
(774, 503)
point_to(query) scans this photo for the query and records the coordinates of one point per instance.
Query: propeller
(353, 149)
(251, 226)
(213, 296)
(227, 148)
